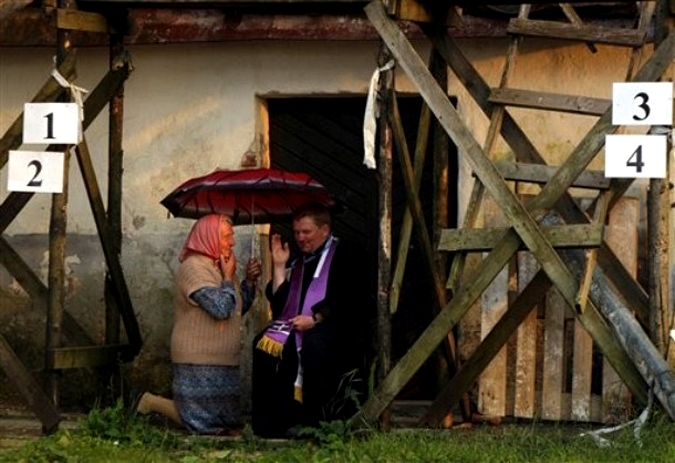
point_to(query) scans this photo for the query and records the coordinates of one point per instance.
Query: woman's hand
(253, 271)
(228, 265)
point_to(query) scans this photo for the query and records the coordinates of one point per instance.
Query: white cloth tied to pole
(75, 93)
(372, 113)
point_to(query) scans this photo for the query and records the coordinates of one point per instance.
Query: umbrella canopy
(249, 195)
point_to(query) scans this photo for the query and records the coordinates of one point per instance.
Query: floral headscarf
(204, 237)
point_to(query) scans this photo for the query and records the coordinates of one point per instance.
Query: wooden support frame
(524, 228)
(571, 212)
(60, 323)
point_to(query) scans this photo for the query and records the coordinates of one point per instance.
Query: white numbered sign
(48, 123)
(635, 156)
(642, 103)
(35, 171)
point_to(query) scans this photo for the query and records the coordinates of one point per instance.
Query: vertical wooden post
(659, 219)
(57, 245)
(384, 168)
(115, 168)
(657, 222)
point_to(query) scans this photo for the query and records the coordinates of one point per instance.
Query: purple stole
(278, 332)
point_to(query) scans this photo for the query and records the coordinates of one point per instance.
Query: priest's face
(308, 235)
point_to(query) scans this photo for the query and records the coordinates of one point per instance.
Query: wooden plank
(485, 352)
(526, 345)
(553, 380)
(494, 303)
(574, 104)
(586, 33)
(384, 170)
(484, 239)
(582, 369)
(595, 410)
(622, 237)
(575, 19)
(112, 260)
(541, 174)
(67, 18)
(413, 10)
(64, 358)
(23, 274)
(415, 204)
(31, 391)
(406, 227)
(72, 330)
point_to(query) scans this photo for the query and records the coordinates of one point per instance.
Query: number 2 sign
(635, 156)
(51, 123)
(642, 103)
(35, 171)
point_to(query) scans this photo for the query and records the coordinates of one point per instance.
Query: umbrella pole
(253, 234)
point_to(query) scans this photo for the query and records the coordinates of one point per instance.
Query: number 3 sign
(642, 103)
(51, 123)
(35, 171)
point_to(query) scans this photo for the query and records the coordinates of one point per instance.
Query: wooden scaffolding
(609, 306)
(81, 351)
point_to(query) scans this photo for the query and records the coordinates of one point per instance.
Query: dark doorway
(324, 137)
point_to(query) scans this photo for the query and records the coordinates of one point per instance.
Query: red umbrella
(250, 195)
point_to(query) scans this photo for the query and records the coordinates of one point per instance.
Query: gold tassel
(269, 345)
(297, 393)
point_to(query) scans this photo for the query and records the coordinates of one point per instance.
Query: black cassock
(335, 353)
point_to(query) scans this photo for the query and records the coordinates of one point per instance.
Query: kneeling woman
(206, 337)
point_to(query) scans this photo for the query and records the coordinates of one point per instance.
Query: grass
(108, 435)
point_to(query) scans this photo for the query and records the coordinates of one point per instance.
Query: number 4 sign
(35, 171)
(51, 123)
(635, 156)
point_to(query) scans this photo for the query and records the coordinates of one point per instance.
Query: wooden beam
(23, 274)
(441, 13)
(76, 20)
(541, 174)
(31, 391)
(72, 330)
(484, 239)
(585, 33)
(115, 269)
(576, 20)
(550, 101)
(64, 358)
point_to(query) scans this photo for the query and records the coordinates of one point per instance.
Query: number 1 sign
(642, 103)
(635, 156)
(51, 123)
(35, 171)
